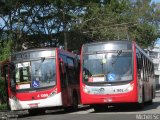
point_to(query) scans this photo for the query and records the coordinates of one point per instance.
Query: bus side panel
(69, 90)
(58, 71)
(80, 78)
(137, 79)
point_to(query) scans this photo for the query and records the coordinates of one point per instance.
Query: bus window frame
(32, 89)
(113, 83)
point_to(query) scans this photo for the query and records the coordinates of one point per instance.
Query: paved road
(150, 112)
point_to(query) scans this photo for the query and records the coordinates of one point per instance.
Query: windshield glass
(108, 67)
(35, 74)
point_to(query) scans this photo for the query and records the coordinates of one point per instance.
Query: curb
(8, 115)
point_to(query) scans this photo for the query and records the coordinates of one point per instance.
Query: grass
(3, 107)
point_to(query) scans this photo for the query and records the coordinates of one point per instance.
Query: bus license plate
(34, 105)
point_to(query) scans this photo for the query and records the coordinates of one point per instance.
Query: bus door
(65, 89)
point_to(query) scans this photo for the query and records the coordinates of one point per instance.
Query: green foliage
(144, 34)
(3, 94)
(5, 50)
(3, 107)
(51, 23)
(121, 19)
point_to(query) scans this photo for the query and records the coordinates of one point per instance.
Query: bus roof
(32, 50)
(32, 54)
(119, 46)
(107, 45)
(104, 42)
(39, 53)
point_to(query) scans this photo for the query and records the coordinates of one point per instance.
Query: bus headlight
(86, 90)
(130, 88)
(15, 103)
(53, 93)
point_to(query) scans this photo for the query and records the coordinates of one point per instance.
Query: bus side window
(145, 69)
(139, 63)
(62, 68)
(71, 72)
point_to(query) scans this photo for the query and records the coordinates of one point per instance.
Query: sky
(156, 1)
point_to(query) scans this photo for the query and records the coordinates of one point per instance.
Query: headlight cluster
(130, 87)
(86, 90)
(15, 104)
(53, 93)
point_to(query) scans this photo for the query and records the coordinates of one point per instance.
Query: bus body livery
(43, 78)
(115, 72)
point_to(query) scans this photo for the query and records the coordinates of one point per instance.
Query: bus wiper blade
(39, 66)
(98, 75)
(118, 54)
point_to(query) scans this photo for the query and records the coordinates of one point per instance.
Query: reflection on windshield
(22, 72)
(35, 74)
(43, 73)
(109, 67)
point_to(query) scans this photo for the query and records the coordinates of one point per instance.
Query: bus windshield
(35, 74)
(107, 67)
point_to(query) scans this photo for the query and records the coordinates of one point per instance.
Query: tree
(54, 23)
(121, 19)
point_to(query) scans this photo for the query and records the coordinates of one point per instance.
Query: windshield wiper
(39, 66)
(118, 54)
(98, 75)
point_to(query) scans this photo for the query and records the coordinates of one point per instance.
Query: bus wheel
(141, 105)
(36, 112)
(99, 108)
(150, 102)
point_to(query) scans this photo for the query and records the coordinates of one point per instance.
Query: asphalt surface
(150, 112)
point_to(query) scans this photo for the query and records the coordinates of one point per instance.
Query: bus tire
(141, 105)
(99, 108)
(36, 112)
(150, 102)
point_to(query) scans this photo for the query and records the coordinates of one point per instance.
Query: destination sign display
(95, 47)
(32, 55)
